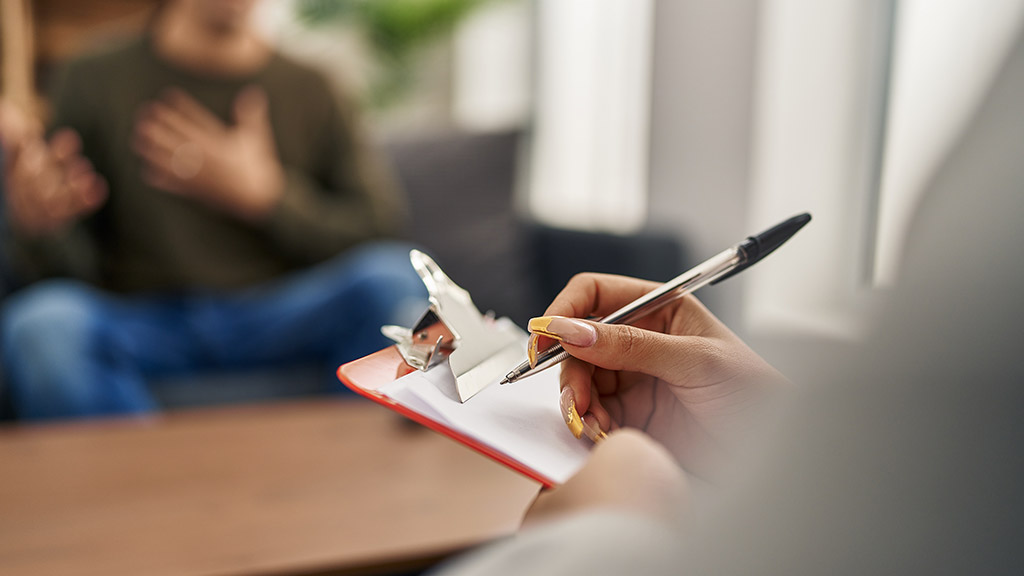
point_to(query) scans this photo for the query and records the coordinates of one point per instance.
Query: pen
(717, 268)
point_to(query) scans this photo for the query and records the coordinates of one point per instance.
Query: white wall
(703, 78)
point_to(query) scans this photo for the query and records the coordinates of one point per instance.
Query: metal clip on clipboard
(479, 348)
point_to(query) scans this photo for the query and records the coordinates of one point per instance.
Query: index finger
(591, 294)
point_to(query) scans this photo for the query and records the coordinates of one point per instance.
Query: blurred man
(205, 185)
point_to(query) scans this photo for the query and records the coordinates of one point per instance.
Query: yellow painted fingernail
(531, 350)
(539, 326)
(592, 429)
(567, 330)
(572, 418)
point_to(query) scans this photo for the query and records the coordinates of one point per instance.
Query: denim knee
(44, 324)
(383, 279)
(389, 282)
(378, 258)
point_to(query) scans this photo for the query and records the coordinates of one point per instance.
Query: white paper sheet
(521, 420)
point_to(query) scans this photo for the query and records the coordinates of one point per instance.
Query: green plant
(395, 30)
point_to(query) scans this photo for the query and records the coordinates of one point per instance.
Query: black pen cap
(757, 247)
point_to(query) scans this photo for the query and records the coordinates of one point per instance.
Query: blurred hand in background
(187, 150)
(48, 184)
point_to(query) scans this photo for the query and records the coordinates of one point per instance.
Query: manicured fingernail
(568, 330)
(592, 428)
(572, 418)
(531, 350)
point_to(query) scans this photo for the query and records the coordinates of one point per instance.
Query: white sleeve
(600, 542)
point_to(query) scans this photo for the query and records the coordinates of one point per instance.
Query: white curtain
(589, 150)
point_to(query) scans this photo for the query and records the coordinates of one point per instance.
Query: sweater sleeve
(348, 199)
(597, 542)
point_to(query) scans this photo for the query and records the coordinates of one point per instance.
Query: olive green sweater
(144, 239)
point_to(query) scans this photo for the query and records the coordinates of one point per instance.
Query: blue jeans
(70, 350)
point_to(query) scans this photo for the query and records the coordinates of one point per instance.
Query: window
(819, 119)
(946, 56)
(857, 104)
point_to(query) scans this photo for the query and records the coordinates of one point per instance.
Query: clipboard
(460, 353)
(367, 375)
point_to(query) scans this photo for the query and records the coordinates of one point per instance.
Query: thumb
(623, 347)
(251, 109)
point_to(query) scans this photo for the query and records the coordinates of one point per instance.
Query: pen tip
(504, 380)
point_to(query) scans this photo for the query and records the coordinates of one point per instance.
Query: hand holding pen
(674, 371)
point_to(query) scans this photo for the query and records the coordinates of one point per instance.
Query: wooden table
(304, 488)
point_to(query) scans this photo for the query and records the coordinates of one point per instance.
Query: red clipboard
(367, 375)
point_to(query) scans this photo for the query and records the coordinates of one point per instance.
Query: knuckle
(633, 341)
(576, 298)
(581, 279)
